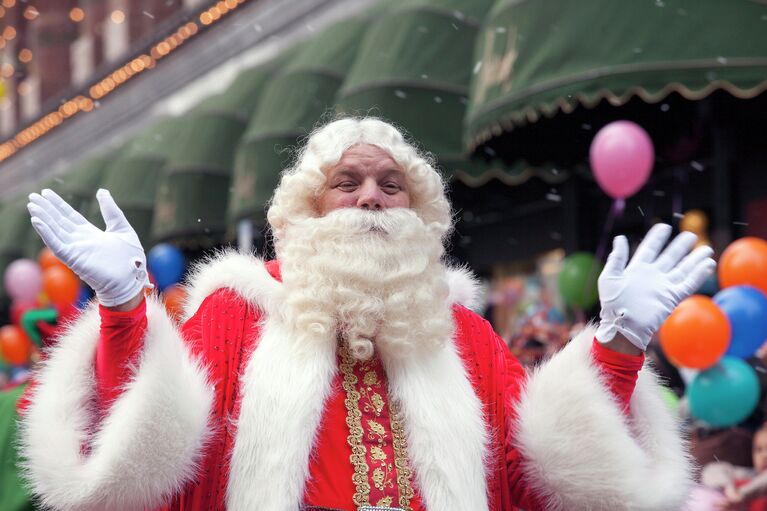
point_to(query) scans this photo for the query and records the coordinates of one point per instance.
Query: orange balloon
(15, 345)
(694, 221)
(744, 262)
(174, 298)
(61, 285)
(46, 259)
(696, 334)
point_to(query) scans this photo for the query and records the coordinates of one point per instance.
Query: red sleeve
(620, 372)
(521, 492)
(119, 346)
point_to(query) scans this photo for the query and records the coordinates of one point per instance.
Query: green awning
(414, 68)
(541, 57)
(293, 102)
(193, 192)
(133, 175)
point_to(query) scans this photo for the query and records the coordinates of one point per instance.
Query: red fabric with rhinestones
(224, 331)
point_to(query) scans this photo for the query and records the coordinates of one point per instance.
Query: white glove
(112, 262)
(636, 299)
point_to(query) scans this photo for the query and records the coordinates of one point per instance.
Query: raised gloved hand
(112, 262)
(637, 298)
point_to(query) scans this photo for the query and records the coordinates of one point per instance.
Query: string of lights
(87, 102)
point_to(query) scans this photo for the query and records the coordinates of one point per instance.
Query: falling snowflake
(553, 197)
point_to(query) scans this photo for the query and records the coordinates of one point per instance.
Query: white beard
(373, 279)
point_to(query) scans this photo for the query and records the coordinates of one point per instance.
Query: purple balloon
(23, 279)
(622, 157)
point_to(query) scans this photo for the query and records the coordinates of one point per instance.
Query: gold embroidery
(400, 457)
(354, 421)
(376, 430)
(378, 477)
(383, 473)
(377, 453)
(370, 378)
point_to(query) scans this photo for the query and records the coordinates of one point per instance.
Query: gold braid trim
(354, 422)
(400, 457)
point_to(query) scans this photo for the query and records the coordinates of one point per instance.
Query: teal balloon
(725, 394)
(578, 280)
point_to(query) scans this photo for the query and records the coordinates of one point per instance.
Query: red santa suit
(231, 412)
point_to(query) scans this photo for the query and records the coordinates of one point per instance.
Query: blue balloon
(84, 295)
(746, 308)
(166, 263)
(19, 374)
(725, 394)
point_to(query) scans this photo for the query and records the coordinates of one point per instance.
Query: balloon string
(616, 210)
(676, 201)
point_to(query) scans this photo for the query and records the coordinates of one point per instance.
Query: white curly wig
(296, 196)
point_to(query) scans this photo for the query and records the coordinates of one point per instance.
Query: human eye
(391, 187)
(347, 185)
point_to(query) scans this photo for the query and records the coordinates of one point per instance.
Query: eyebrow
(350, 172)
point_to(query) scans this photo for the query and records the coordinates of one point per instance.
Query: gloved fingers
(114, 218)
(63, 208)
(652, 244)
(616, 261)
(50, 238)
(51, 210)
(689, 263)
(676, 250)
(697, 277)
(56, 222)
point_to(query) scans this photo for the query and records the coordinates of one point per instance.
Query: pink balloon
(23, 279)
(622, 157)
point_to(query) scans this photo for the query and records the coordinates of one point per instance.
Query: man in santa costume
(350, 373)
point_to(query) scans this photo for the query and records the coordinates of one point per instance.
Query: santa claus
(350, 373)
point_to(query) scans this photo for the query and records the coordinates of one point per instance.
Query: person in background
(745, 488)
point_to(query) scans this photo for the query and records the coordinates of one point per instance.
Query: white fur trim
(147, 447)
(284, 390)
(582, 452)
(447, 437)
(464, 287)
(244, 274)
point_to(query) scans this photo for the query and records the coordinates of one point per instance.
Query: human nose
(370, 197)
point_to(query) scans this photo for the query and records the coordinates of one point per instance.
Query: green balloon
(578, 280)
(670, 398)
